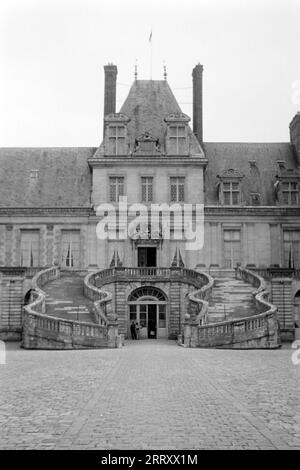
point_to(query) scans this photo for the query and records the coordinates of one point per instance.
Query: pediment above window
(116, 117)
(230, 173)
(177, 117)
(288, 174)
(147, 144)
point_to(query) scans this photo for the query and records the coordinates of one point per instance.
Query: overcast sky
(52, 55)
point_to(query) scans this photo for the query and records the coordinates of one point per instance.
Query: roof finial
(135, 70)
(165, 71)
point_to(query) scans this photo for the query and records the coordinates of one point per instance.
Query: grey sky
(52, 55)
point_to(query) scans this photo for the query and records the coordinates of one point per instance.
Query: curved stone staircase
(69, 312)
(231, 298)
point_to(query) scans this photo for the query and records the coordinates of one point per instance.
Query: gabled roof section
(148, 103)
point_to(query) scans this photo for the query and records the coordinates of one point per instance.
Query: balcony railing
(94, 287)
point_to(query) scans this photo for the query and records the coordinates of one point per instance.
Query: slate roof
(147, 104)
(63, 178)
(258, 178)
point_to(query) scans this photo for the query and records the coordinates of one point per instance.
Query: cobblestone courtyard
(149, 395)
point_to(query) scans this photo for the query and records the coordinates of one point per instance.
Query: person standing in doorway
(133, 330)
(137, 330)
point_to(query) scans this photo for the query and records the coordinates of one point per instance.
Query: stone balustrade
(197, 305)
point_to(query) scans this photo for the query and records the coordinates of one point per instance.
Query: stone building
(150, 154)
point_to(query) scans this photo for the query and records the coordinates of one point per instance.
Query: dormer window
(177, 138)
(290, 193)
(116, 137)
(231, 193)
(287, 186)
(115, 134)
(230, 187)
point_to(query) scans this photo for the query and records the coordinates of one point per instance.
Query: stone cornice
(253, 211)
(147, 160)
(45, 211)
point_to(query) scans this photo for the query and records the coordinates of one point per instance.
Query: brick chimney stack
(110, 88)
(197, 102)
(295, 134)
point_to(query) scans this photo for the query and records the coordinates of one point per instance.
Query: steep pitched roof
(63, 178)
(147, 104)
(259, 177)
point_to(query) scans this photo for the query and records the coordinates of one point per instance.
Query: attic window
(230, 187)
(231, 193)
(34, 174)
(177, 138)
(116, 136)
(290, 193)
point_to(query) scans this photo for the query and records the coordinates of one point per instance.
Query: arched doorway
(147, 306)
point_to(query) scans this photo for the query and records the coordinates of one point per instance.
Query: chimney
(110, 88)
(197, 102)
(295, 134)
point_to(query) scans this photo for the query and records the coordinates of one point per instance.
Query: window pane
(173, 131)
(162, 316)
(235, 198)
(235, 186)
(285, 198)
(132, 310)
(226, 197)
(294, 198)
(143, 319)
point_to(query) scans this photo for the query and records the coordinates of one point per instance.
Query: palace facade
(150, 154)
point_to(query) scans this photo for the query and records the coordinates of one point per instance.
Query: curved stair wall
(41, 331)
(98, 286)
(256, 331)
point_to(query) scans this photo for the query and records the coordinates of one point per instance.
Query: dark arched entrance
(148, 308)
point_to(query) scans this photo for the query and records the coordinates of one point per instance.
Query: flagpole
(150, 40)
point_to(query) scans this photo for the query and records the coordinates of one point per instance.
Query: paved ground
(150, 394)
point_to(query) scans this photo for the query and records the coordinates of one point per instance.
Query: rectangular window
(177, 189)
(132, 313)
(70, 248)
(143, 316)
(30, 248)
(162, 316)
(116, 188)
(177, 136)
(290, 193)
(231, 193)
(291, 241)
(147, 189)
(116, 137)
(232, 247)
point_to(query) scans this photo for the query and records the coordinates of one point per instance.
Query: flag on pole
(150, 37)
